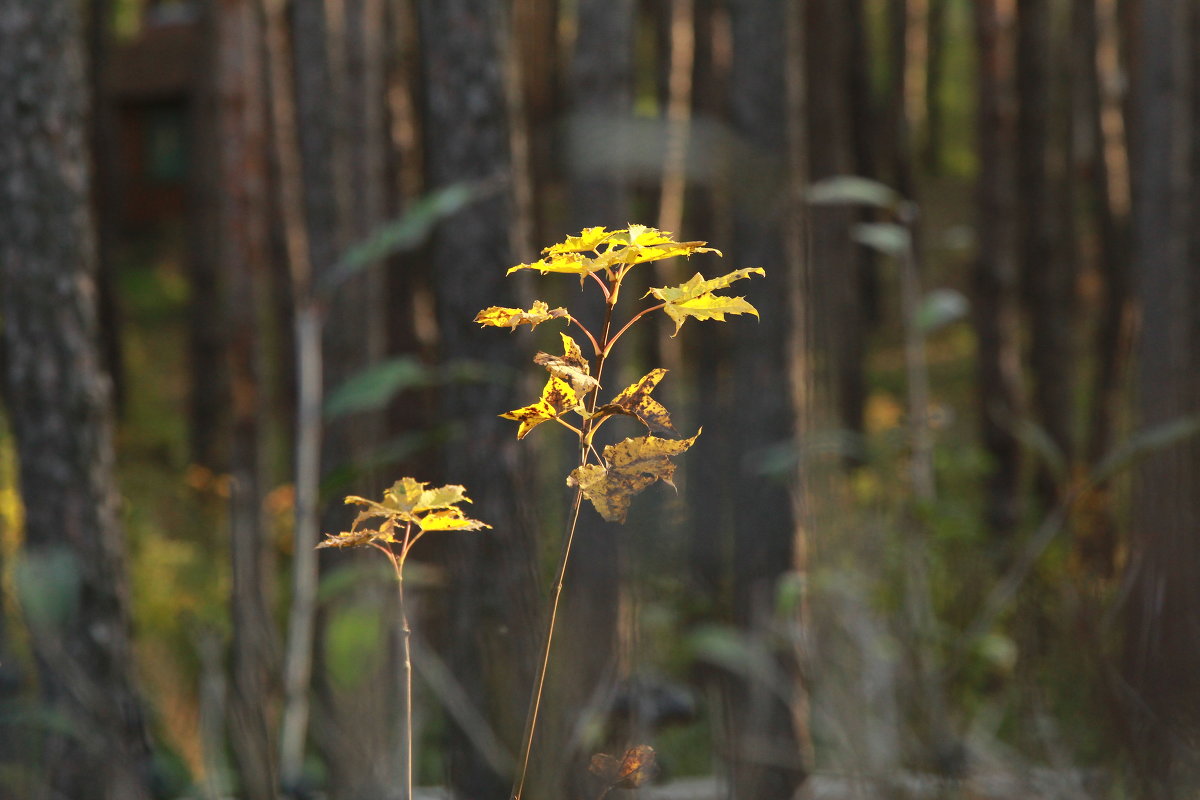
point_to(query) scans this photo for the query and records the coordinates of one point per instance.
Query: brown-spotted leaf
(571, 366)
(354, 538)
(636, 767)
(501, 317)
(558, 397)
(695, 298)
(635, 401)
(630, 466)
(405, 503)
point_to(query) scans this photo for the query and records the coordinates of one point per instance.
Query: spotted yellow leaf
(635, 401)
(571, 366)
(406, 502)
(501, 317)
(629, 467)
(450, 519)
(558, 397)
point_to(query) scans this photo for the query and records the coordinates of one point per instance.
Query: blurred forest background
(941, 535)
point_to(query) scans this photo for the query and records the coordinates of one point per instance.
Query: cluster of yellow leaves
(611, 250)
(629, 467)
(632, 465)
(407, 503)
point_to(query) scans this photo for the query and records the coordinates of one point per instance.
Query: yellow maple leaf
(635, 401)
(406, 502)
(571, 366)
(630, 466)
(587, 241)
(695, 298)
(558, 397)
(501, 317)
(451, 519)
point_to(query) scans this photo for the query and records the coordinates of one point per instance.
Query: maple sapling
(409, 510)
(608, 479)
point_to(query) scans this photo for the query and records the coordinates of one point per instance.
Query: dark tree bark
(1045, 275)
(244, 199)
(1162, 650)
(105, 192)
(59, 404)
(764, 527)
(601, 85)
(839, 324)
(535, 26)
(208, 393)
(864, 130)
(935, 53)
(993, 275)
(898, 146)
(601, 103)
(1094, 180)
(493, 580)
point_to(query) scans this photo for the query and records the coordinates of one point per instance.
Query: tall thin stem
(406, 743)
(535, 701)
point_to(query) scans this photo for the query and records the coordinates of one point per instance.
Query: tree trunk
(935, 53)
(1162, 652)
(993, 276)
(601, 97)
(839, 322)
(601, 106)
(71, 574)
(1098, 546)
(1046, 277)
(492, 581)
(763, 521)
(208, 392)
(244, 198)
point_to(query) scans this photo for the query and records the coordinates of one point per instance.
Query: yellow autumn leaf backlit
(635, 401)
(558, 397)
(695, 298)
(630, 466)
(501, 317)
(406, 502)
(571, 366)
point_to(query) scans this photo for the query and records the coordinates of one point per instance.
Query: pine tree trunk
(993, 278)
(764, 527)
(492, 578)
(1045, 275)
(1162, 652)
(244, 199)
(58, 397)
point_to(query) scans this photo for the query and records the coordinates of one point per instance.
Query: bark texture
(993, 274)
(764, 527)
(242, 169)
(1162, 649)
(72, 570)
(493, 582)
